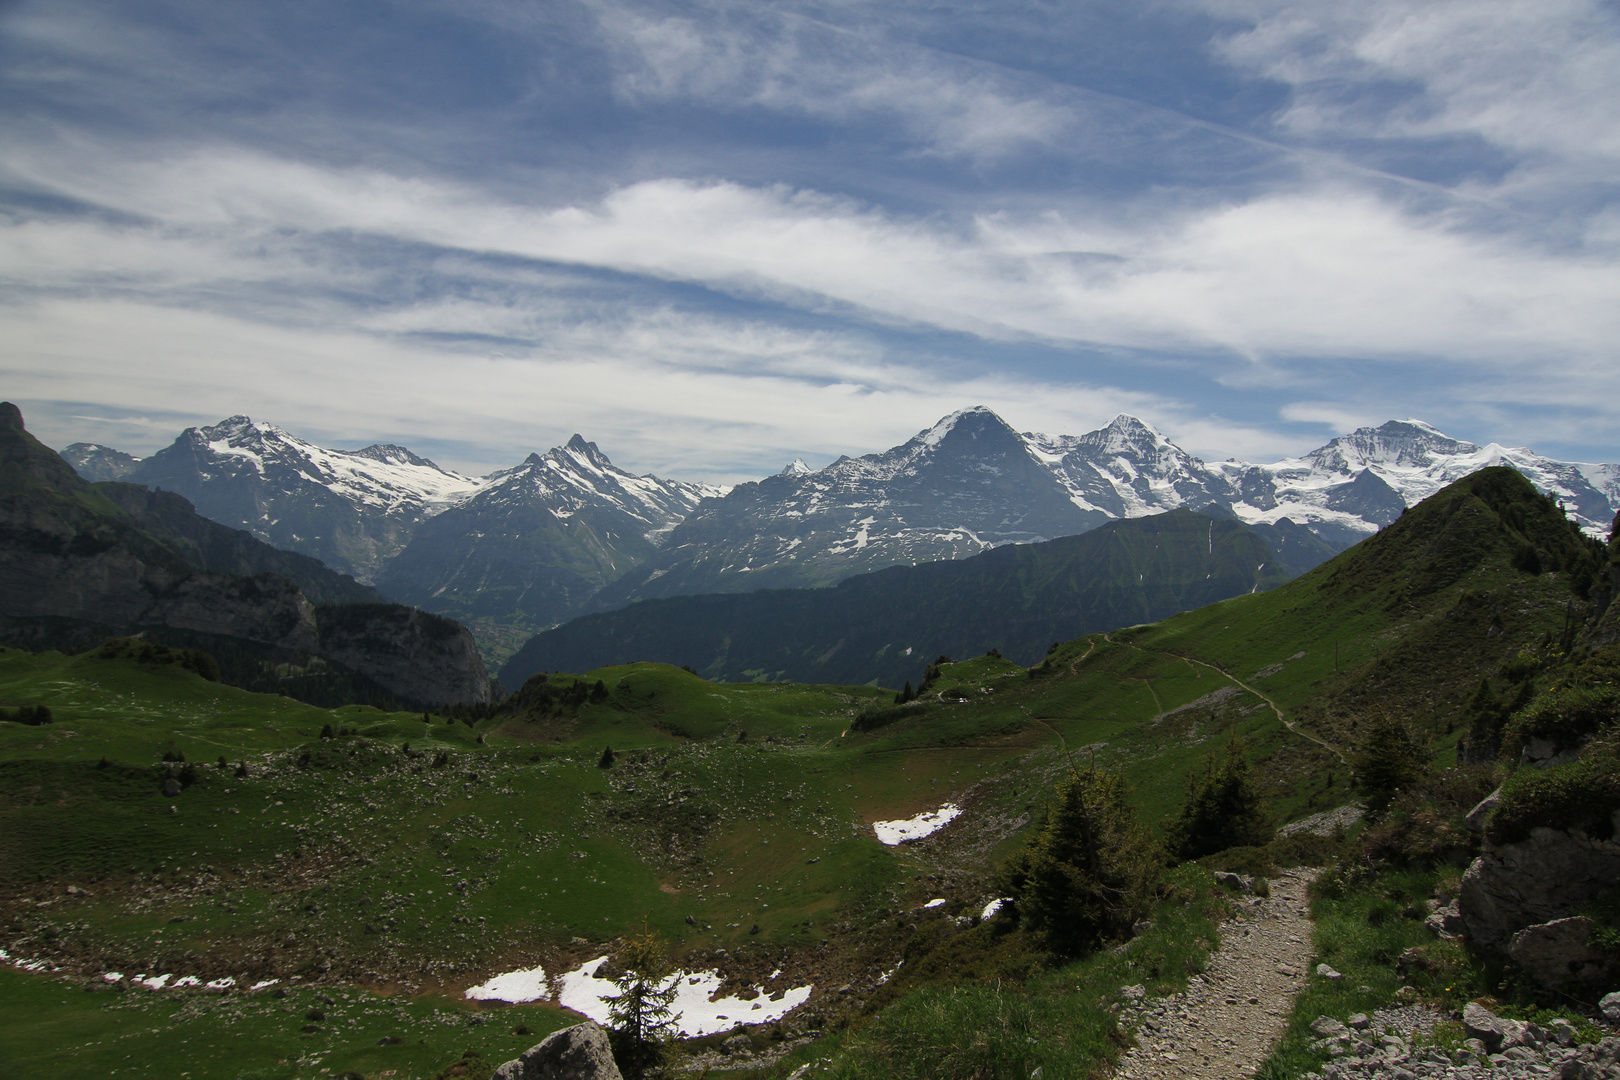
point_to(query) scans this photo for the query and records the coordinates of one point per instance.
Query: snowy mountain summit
(971, 482)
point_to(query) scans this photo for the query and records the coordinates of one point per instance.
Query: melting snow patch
(994, 906)
(694, 1014)
(514, 986)
(896, 832)
(153, 982)
(221, 984)
(113, 976)
(935, 903)
(188, 980)
(264, 983)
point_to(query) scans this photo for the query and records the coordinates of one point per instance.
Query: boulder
(1548, 876)
(1556, 954)
(1446, 922)
(1325, 1027)
(577, 1053)
(1482, 1024)
(1609, 1006)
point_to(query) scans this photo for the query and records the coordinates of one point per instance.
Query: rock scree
(1228, 1019)
(580, 1052)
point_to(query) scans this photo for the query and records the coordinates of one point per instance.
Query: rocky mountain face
(353, 510)
(534, 543)
(96, 463)
(77, 567)
(968, 484)
(885, 626)
(422, 657)
(212, 546)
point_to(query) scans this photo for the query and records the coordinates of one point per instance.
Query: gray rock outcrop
(267, 608)
(1496, 1049)
(1548, 876)
(1558, 953)
(580, 1052)
(421, 656)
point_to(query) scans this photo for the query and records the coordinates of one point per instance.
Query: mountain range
(567, 532)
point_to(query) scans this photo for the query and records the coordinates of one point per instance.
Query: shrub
(1581, 795)
(1565, 716)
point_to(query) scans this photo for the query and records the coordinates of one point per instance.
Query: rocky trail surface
(1228, 1019)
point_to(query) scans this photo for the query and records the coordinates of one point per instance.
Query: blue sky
(713, 236)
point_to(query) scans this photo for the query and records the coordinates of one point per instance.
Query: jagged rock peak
(588, 452)
(976, 417)
(1408, 442)
(1127, 434)
(796, 467)
(394, 454)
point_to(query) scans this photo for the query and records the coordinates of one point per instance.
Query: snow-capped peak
(936, 434)
(796, 467)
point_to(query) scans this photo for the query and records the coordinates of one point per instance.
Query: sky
(714, 236)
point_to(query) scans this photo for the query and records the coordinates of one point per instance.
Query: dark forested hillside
(887, 625)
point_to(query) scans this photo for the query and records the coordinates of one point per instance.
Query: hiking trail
(1229, 1018)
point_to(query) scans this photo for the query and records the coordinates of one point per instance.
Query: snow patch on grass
(693, 1011)
(915, 828)
(529, 984)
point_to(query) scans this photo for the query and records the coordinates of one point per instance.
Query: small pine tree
(639, 1013)
(1222, 810)
(606, 760)
(1089, 873)
(326, 731)
(1393, 758)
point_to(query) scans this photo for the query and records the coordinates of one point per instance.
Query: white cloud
(1530, 76)
(615, 385)
(762, 58)
(1292, 281)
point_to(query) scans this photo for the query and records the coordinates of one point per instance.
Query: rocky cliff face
(77, 566)
(265, 608)
(424, 657)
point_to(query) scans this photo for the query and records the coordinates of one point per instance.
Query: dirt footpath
(1228, 1019)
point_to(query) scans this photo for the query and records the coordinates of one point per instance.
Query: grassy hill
(402, 859)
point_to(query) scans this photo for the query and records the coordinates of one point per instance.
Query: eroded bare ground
(1229, 1018)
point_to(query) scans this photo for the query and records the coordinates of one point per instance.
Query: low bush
(1580, 795)
(1565, 717)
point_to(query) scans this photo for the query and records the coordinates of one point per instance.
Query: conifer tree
(639, 1013)
(1088, 874)
(1392, 759)
(1222, 810)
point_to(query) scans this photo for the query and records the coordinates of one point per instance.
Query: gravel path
(1228, 1019)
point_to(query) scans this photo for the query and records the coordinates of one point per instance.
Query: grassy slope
(737, 805)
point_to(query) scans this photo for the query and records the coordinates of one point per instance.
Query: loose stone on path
(1229, 1018)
